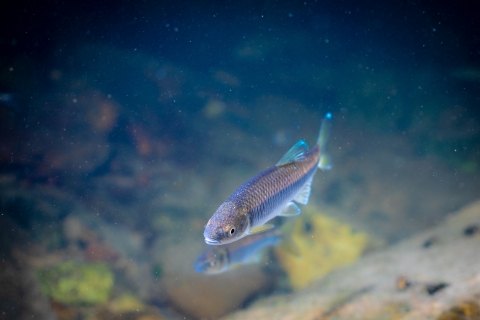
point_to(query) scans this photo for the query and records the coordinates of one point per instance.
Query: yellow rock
(323, 243)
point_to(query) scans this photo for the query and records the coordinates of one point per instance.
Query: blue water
(124, 125)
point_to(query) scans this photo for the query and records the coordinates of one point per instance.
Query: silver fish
(218, 259)
(273, 192)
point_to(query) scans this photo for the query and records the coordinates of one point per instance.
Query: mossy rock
(324, 244)
(77, 284)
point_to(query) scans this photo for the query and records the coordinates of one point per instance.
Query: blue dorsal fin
(295, 154)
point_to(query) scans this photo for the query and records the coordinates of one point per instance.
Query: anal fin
(304, 194)
(290, 210)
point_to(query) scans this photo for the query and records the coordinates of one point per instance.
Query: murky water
(124, 126)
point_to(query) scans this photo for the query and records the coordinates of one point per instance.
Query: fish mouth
(211, 241)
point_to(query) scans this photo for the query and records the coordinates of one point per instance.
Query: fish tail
(325, 162)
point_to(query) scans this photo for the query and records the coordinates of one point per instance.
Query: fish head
(228, 224)
(212, 261)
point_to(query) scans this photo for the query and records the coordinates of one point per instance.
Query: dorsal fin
(295, 154)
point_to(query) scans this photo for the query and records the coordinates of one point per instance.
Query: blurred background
(125, 124)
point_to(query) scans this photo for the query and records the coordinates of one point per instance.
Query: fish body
(218, 259)
(273, 192)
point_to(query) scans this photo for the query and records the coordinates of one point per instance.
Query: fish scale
(263, 193)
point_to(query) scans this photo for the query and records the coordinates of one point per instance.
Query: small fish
(219, 259)
(273, 192)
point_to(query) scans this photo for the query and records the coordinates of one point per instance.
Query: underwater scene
(314, 160)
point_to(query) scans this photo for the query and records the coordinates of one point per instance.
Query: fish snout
(211, 241)
(212, 236)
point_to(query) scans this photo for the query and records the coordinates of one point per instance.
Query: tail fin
(325, 162)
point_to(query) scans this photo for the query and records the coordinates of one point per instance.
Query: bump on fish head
(212, 261)
(228, 224)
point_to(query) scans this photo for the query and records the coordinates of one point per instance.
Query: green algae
(77, 284)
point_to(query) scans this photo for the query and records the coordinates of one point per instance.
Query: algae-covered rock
(77, 284)
(324, 244)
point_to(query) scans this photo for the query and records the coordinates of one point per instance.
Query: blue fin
(295, 154)
(325, 129)
(290, 210)
(304, 194)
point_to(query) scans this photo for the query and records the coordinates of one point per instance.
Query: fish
(273, 192)
(219, 259)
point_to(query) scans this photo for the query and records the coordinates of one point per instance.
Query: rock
(424, 277)
(72, 284)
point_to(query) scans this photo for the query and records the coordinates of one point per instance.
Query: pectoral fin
(261, 228)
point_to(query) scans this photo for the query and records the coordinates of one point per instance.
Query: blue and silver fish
(273, 192)
(218, 259)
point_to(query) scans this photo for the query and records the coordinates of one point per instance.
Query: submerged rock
(406, 281)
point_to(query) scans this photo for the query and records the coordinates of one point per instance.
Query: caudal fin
(325, 162)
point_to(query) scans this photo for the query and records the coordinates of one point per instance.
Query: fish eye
(232, 231)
